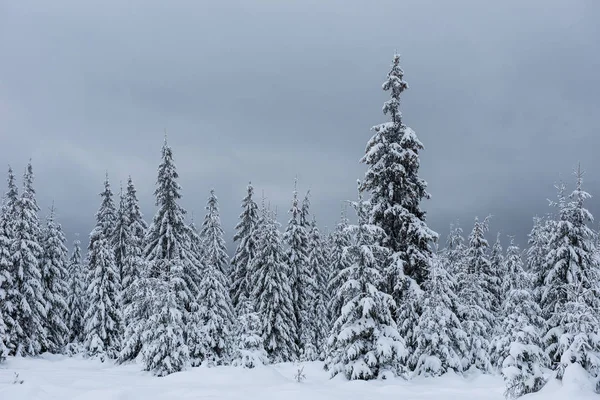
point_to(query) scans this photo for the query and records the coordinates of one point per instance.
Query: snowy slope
(58, 377)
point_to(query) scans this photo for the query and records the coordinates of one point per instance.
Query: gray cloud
(504, 97)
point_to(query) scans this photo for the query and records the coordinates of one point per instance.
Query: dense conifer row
(372, 299)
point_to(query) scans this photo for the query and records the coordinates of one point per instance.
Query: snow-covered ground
(58, 377)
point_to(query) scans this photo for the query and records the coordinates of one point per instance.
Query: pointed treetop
(52, 209)
(397, 85)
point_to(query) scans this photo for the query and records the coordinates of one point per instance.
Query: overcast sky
(505, 96)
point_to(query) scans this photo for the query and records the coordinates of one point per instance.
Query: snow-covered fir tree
(339, 241)
(497, 275)
(296, 238)
(55, 284)
(27, 336)
(573, 286)
(441, 342)
(317, 327)
(536, 255)
(249, 350)
(272, 292)
(476, 299)
(218, 314)
(134, 291)
(165, 350)
(168, 236)
(103, 325)
(212, 236)
(132, 256)
(7, 281)
(392, 156)
(174, 269)
(454, 252)
(76, 304)
(245, 250)
(517, 347)
(364, 342)
(121, 234)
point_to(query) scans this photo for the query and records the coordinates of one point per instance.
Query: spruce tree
(454, 253)
(273, 294)
(173, 273)
(296, 238)
(168, 237)
(441, 342)
(133, 261)
(28, 335)
(215, 249)
(7, 280)
(364, 342)
(134, 291)
(6, 286)
(249, 347)
(497, 275)
(536, 255)
(317, 326)
(218, 315)
(55, 284)
(121, 234)
(165, 350)
(392, 156)
(340, 240)
(76, 304)
(572, 287)
(103, 325)
(517, 346)
(476, 299)
(246, 249)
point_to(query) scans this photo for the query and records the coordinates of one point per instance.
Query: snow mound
(576, 384)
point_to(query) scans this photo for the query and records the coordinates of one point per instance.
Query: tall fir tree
(76, 304)
(103, 325)
(364, 342)
(133, 259)
(536, 255)
(173, 274)
(134, 291)
(246, 248)
(392, 156)
(476, 299)
(121, 234)
(55, 284)
(517, 347)
(296, 238)
(497, 275)
(8, 293)
(28, 334)
(441, 342)
(340, 240)
(168, 237)
(212, 236)
(572, 287)
(218, 314)
(317, 326)
(272, 292)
